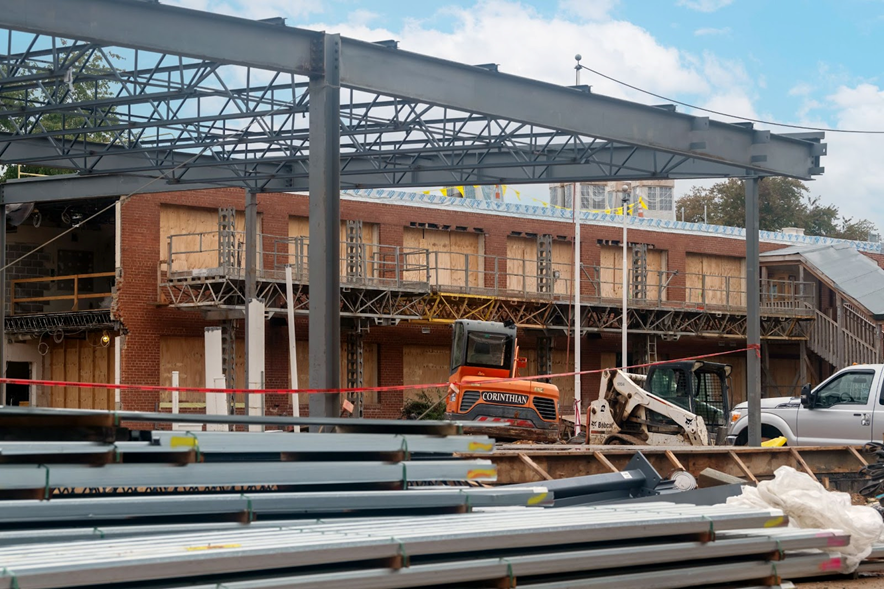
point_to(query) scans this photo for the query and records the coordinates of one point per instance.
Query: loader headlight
(453, 397)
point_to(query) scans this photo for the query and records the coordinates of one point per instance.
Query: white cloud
(711, 31)
(853, 180)
(254, 10)
(704, 5)
(800, 89)
(589, 9)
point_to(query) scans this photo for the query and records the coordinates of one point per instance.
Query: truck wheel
(768, 432)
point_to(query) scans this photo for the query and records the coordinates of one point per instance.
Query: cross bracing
(102, 101)
(215, 100)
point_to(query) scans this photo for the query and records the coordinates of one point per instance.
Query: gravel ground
(876, 582)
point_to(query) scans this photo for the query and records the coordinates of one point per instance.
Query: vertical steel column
(753, 313)
(325, 220)
(3, 299)
(251, 272)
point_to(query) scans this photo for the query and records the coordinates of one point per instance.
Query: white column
(293, 349)
(256, 359)
(216, 403)
(175, 396)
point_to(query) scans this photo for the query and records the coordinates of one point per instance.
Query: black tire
(768, 432)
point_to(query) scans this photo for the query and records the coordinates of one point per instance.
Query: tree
(782, 202)
(90, 81)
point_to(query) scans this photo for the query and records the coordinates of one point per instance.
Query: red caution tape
(439, 385)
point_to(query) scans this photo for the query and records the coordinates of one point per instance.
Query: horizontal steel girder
(372, 68)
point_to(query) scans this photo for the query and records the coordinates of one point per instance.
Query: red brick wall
(146, 322)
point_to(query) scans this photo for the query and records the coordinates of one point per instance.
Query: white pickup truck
(847, 408)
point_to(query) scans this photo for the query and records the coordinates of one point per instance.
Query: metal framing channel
(545, 278)
(228, 260)
(228, 358)
(354, 251)
(794, 566)
(219, 474)
(518, 566)
(355, 368)
(49, 419)
(639, 271)
(246, 549)
(263, 505)
(238, 442)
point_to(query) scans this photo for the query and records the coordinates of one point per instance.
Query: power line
(724, 114)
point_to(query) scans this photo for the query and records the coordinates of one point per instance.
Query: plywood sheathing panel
(190, 221)
(78, 361)
(425, 365)
(720, 278)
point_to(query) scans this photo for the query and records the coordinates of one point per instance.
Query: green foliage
(90, 83)
(782, 202)
(424, 407)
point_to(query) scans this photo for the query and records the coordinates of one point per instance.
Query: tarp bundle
(809, 505)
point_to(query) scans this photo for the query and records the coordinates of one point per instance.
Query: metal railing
(375, 265)
(60, 294)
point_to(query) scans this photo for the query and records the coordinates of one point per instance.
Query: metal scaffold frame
(136, 96)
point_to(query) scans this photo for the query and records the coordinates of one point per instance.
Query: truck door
(878, 413)
(842, 412)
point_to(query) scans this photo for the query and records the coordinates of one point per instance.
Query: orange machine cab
(486, 350)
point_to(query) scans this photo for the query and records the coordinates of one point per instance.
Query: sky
(805, 62)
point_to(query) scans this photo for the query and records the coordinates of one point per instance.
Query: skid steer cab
(519, 410)
(677, 403)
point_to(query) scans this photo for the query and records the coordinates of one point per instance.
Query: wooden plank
(521, 264)
(85, 375)
(858, 456)
(693, 277)
(100, 374)
(56, 354)
(187, 356)
(563, 263)
(533, 466)
(611, 271)
(671, 457)
(465, 253)
(800, 461)
(71, 371)
(742, 466)
(605, 462)
(657, 264)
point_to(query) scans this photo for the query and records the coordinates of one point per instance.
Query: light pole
(575, 204)
(623, 335)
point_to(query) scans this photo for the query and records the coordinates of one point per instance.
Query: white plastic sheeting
(809, 505)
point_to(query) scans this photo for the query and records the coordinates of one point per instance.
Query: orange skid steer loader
(484, 351)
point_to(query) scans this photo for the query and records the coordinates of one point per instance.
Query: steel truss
(70, 322)
(386, 306)
(145, 103)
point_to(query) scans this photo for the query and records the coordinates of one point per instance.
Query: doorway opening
(18, 395)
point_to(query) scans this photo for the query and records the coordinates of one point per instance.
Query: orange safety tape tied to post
(157, 388)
